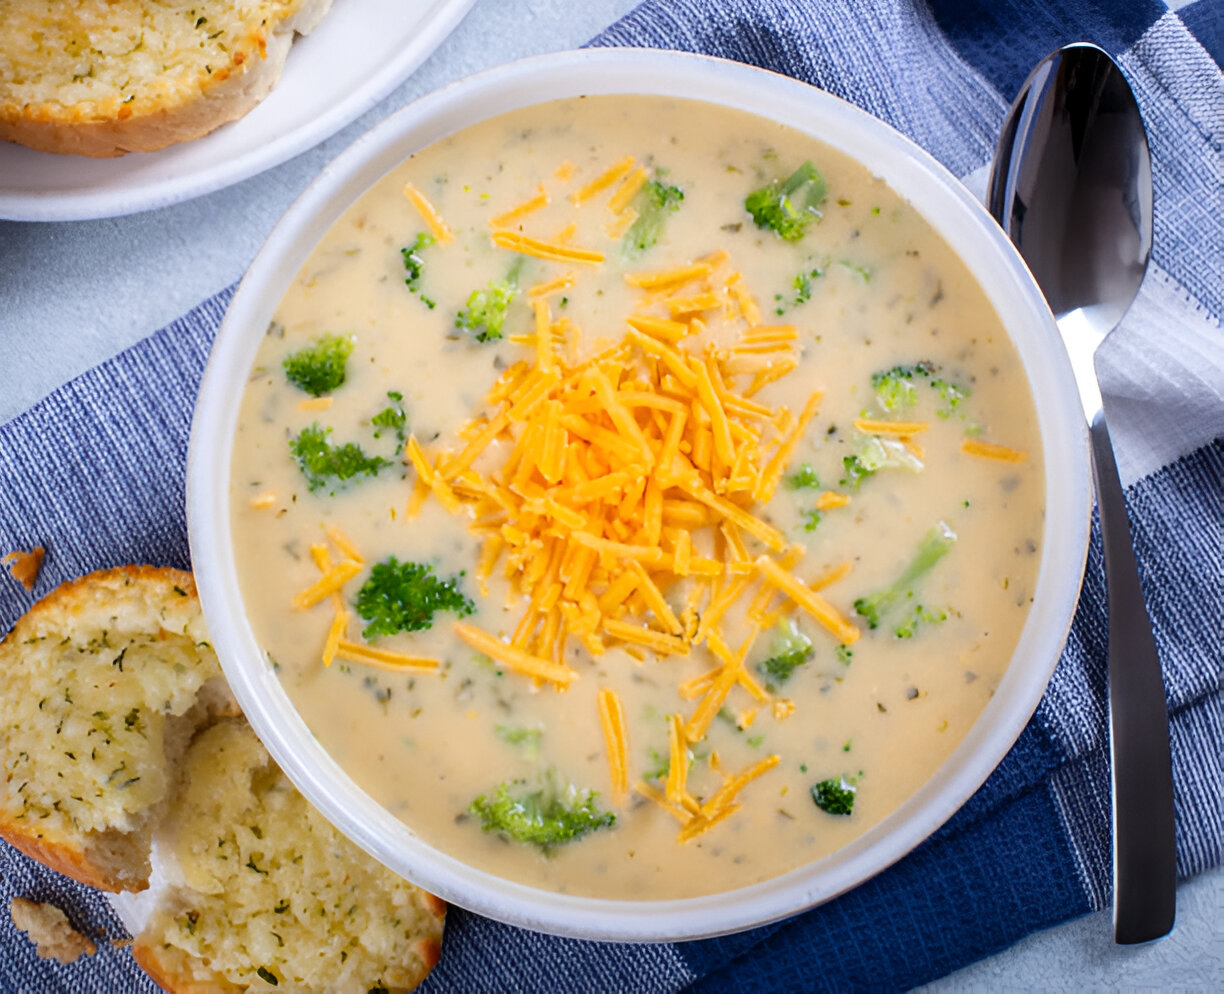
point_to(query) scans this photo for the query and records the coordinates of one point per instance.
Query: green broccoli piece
(811, 519)
(414, 266)
(653, 202)
(660, 764)
(916, 618)
(895, 390)
(855, 472)
(547, 817)
(485, 313)
(393, 417)
(403, 597)
(875, 454)
(319, 368)
(321, 461)
(844, 654)
(803, 285)
(935, 545)
(788, 208)
(950, 394)
(789, 650)
(804, 478)
(834, 796)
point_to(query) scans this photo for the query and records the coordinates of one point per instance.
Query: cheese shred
(612, 720)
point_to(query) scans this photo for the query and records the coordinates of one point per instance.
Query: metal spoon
(1071, 184)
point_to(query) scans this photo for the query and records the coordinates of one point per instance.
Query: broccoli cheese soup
(636, 497)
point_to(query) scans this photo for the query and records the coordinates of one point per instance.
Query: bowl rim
(917, 177)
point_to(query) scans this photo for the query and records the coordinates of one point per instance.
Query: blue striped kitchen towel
(95, 473)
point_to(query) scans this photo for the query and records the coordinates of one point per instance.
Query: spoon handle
(1144, 849)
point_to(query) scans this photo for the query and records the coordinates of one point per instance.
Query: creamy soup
(636, 497)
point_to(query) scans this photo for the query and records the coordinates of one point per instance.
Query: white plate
(358, 54)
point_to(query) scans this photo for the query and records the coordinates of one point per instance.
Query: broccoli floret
(653, 202)
(811, 519)
(789, 650)
(895, 390)
(320, 461)
(950, 394)
(392, 416)
(319, 368)
(485, 313)
(546, 817)
(804, 478)
(875, 454)
(414, 266)
(844, 654)
(403, 597)
(803, 285)
(834, 796)
(935, 545)
(788, 208)
(917, 617)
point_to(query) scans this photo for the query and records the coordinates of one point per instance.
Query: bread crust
(169, 970)
(69, 592)
(81, 857)
(67, 857)
(160, 115)
(110, 859)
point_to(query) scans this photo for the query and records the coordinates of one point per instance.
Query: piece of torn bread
(100, 78)
(50, 930)
(102, 685)
(264, 891)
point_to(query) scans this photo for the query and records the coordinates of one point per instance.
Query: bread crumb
(24, 566)
(50, 931)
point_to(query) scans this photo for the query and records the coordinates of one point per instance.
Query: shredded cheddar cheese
(989, 450)
(429, 214)
(520, 211)
(603, 181)
(329, 583)
(612, 720)
(549, 287)
(628, 189)
(902, 428)
(552, 251)
(384, 658)
(625, 484)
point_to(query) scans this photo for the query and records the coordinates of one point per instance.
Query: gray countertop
(76, 293)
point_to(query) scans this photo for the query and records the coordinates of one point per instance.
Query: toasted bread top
(98, 78)
(315, 912)
(95, 681)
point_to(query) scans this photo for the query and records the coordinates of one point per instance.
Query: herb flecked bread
(101, 78)
(269, 893)
(117, 727)
(102, 685)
